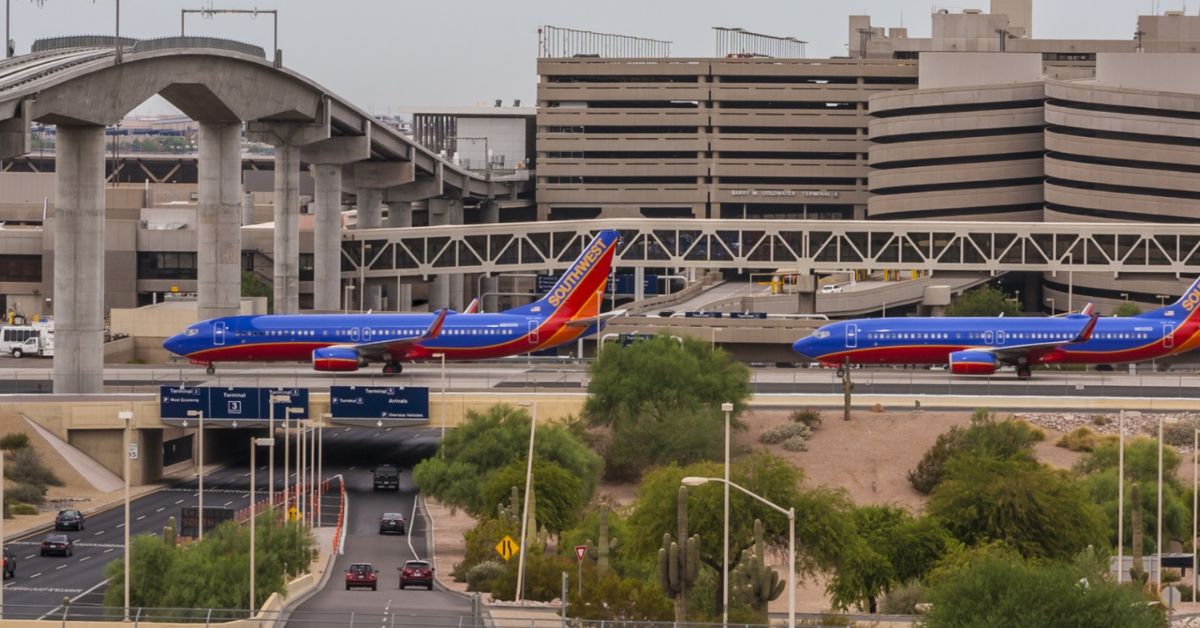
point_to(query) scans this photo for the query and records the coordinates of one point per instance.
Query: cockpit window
(820, 334)
(192, 331)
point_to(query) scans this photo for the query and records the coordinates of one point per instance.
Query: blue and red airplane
(979, 345)
(345, 342)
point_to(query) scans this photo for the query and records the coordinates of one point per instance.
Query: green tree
(252, 286)
(481, 541)
(559, 495)
(1007, 439)
(1098, 477)
(890, 547)
(1039, 511)
(662, 400)
(610, 597)
(821, 524)
(490, 441)
(1127, 308)
(998, 588)
(985, 300)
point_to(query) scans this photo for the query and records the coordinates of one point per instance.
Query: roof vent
(972, 11)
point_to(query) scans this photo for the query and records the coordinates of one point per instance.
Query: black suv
(68, 520)
(10, 564)
(391, 522)
(387, 478)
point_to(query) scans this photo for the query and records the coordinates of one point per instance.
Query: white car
(830, 289)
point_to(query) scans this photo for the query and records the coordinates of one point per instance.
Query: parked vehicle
(10, 564)
(416, 573)
(59, 544)
(387, 478)
(362, 575)
(68, 520)
(830, 289)
(391, 522)
(22, 340)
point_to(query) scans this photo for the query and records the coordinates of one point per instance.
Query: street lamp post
(321, 465)
(1050, 300)
(199, 472)
(525, 508)
(791, 515)
(271, 452)
(313, 489)
(1195, 485)
(287, 470)
(727, 408)
(442, 413)
(127, 417)
(1158, 544)
(300, 479)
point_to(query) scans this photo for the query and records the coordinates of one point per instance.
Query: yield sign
(507, 547)
(580, 552)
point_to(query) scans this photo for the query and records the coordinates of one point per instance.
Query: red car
(362, 575)
(416, 573)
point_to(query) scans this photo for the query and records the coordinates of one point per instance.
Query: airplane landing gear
(210, 370)
(1024, 372)
(392, 368)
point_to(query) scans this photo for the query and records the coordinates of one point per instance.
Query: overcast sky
(402, 53)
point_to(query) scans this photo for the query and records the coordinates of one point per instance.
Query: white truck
(22, 340)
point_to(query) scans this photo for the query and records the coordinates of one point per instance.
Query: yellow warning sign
(507, 547)
(293, 514)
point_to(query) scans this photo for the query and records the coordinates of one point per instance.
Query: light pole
(525, 508)
(200, 472)
(791, 515)
(727, 408)
(255, 443)
(321, 464)
(346, 297)
(271, 453)
(1121, 497)
(442, 414)
(1050, 300)
(127, 417)
(300, 479)
(1162, 300)
(1195, 484)
(287, 470)
(313, 489)
(1158, 544)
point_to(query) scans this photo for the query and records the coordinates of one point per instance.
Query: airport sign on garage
(228, 407)
(379, 405)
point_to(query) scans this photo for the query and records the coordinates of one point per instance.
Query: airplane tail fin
(577, 294)
(1181, 308)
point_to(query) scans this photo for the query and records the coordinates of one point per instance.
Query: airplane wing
(1012, 353)
(592, 320)
(380, 347)
(473, 308)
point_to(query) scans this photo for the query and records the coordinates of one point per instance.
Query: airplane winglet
(473, 308)
(435, 327)
(1086, 333)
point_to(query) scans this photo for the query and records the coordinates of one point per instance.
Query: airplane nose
(801, 347)
(174, 344)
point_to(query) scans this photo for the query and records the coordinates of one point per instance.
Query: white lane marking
(60, 567)
(120, 525)
(109, 550)
(35, 575)
(161, 509)
(227, 503)
(408, 530)
(98, 533)
(353, 467)
(178, 502)
(141, 517)
(85, 558)
(30, 556)
(74, 599)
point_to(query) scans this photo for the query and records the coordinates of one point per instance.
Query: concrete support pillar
(399, 214)
(439, 290)
(247, 208)
(458, 299)
(639, 283)
(489, 212)
(370, 208)
(491, 288)
(373, 297)
(218, 234)
(79, 261)
(327, 237)
(404, 296)
(287, 228)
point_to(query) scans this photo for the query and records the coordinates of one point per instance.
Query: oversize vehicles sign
(225, 405)
(379, 403)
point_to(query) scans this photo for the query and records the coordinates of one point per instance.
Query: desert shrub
(987, 437)
(796, 443)
(14, 441)
(1100, 420)
(1180, 433)
(903, 599)
(25, 493)
(787, 431)
(23, 509)
(1079, 439)
(480, 577)
(807, 416)
(481, 541)
(25, 466)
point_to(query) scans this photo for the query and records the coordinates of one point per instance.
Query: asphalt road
(357, 453)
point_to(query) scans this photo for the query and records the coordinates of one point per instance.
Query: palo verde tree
(662, 400)
(985, 300)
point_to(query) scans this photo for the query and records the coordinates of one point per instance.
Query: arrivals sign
(229, 406)
(379, 404)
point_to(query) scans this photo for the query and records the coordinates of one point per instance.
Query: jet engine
(336, 359)
(972, 363)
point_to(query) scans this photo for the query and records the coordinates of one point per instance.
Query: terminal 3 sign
(379, 405)
(233, 407)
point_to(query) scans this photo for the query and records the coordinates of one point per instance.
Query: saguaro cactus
(512, 511)
(169, 532)
(1137, 572)
(678, 567)
(598, 553)
(847, 388)
(753, 581)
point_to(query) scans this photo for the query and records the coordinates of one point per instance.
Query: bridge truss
(802, 246)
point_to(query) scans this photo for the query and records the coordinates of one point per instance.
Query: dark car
(391, 522)
(10, 564)
(416, 573)
(58, 544)
(362, 575)
(68, 520)
(387, 478)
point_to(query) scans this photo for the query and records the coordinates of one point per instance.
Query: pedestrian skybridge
(802, 246)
